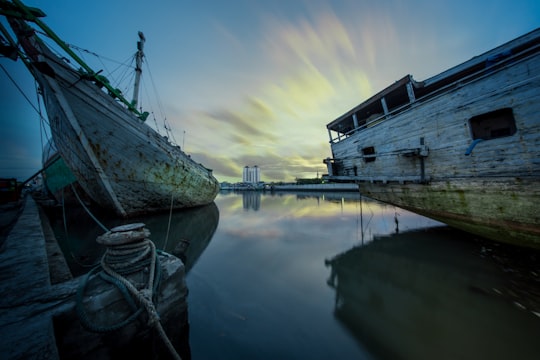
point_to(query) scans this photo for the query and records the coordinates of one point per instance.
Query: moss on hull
(503, 210)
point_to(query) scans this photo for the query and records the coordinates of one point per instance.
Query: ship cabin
(407, 93)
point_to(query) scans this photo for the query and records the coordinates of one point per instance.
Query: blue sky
(255, 82)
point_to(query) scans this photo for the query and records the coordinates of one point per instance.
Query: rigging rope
(118, 82)
(41, 127)
(166, 125)
(126, 80)
(88, 210)
(169, 224)
(38, 109)
(20, 90)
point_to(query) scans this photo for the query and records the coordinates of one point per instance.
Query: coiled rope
(128, 252)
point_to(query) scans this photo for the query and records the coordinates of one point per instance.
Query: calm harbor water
(331, 276)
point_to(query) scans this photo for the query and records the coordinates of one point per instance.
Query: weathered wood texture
(121, 162)
(25, 321)
(106, 307)
(493, 191)
(499, 209)
(443, 122)
(30, 303)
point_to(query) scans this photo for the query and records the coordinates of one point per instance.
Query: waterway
(336, 276)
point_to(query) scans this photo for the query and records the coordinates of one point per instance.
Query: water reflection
(251, 200)
(426, 295)
(331, 209)
(257, 292)
(190, 232)
(184, 233)
(402, 286)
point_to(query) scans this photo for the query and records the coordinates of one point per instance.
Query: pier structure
(40, 298)
(27, 292)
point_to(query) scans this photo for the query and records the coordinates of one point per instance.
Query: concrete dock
(28, 295)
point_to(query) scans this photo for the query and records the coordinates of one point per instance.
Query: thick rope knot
(130, 253)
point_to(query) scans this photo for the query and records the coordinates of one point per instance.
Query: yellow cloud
(313, 75)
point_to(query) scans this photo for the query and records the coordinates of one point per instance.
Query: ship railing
(374, 122)
(441, 90)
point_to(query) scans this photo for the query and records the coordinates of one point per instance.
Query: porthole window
(492, 125)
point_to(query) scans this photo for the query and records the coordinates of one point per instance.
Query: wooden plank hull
(424, 156)
(503, 209)
(120, 162)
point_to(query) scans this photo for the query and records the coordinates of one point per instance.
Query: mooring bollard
(130, 263)
(130, 253)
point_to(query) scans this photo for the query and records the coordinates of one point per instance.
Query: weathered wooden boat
(121, 163)
(462, 147)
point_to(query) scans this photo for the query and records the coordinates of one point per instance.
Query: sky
(245, 83)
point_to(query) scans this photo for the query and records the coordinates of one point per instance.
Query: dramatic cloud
(255, 83)
(312, 77)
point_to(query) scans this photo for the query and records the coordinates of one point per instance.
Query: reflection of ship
(190, 232)
(415, 296)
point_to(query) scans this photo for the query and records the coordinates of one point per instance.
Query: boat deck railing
(439, 89)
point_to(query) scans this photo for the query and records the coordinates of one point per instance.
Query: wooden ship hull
(120, 162)
(462, 147)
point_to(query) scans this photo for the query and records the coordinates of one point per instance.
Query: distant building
(251, 175)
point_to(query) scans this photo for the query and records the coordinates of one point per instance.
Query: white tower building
(251, 175)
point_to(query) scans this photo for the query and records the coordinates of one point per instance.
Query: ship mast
(138, 69)
(17, 10)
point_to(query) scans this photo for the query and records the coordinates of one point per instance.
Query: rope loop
(128, 253)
